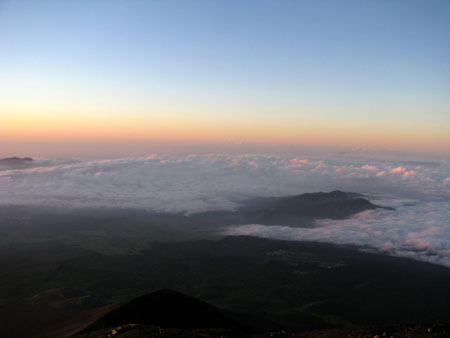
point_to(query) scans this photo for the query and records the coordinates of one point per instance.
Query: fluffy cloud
(420, 191)
(420, 231)
(369, 167)
(405, 173)
(196, 183)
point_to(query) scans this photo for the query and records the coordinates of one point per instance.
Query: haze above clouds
(419, 190)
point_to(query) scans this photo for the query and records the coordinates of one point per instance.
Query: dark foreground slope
(166, 308)
(436, 330)
(167, 313)
(161, 309)
(274, 285)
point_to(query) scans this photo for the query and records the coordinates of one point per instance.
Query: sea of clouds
(418, 189)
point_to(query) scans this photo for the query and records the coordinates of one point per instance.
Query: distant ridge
(298, 210)
(10, 163)
(336, 204)
(15, 160)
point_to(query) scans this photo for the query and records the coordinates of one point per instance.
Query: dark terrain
(275, 285)
(13, 163)
(168, 313)
(60, 263)
(298, 211)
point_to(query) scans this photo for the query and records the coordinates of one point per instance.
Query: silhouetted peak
(165, 308)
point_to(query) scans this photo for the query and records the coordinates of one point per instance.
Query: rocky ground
(413, 331)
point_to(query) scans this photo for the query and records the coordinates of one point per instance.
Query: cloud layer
(419, 232)
(196, 183)
(420, 190)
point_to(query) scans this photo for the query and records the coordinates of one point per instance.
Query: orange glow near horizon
(136, 75)
(53, 128)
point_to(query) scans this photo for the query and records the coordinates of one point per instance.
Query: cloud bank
(419, 232)
(195, 183)
(419, 190)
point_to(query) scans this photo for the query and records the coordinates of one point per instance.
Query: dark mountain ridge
(166, 308)
(298, 210)
(160, 309)
(336, 204)
(11, 163)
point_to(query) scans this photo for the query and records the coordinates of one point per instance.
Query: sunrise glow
(222, 80)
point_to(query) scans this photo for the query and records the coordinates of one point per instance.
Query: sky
(94, 76)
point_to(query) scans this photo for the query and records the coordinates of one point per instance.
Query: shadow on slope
(164, 309)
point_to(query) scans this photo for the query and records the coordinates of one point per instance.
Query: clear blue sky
(363, 64)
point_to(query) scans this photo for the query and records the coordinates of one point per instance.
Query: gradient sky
(321, 73)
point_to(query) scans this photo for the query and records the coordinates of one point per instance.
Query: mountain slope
(163, 308)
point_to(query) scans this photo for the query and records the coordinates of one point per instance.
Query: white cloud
(419, 190)
(207, 182)
(369, 167)
(420, 231)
